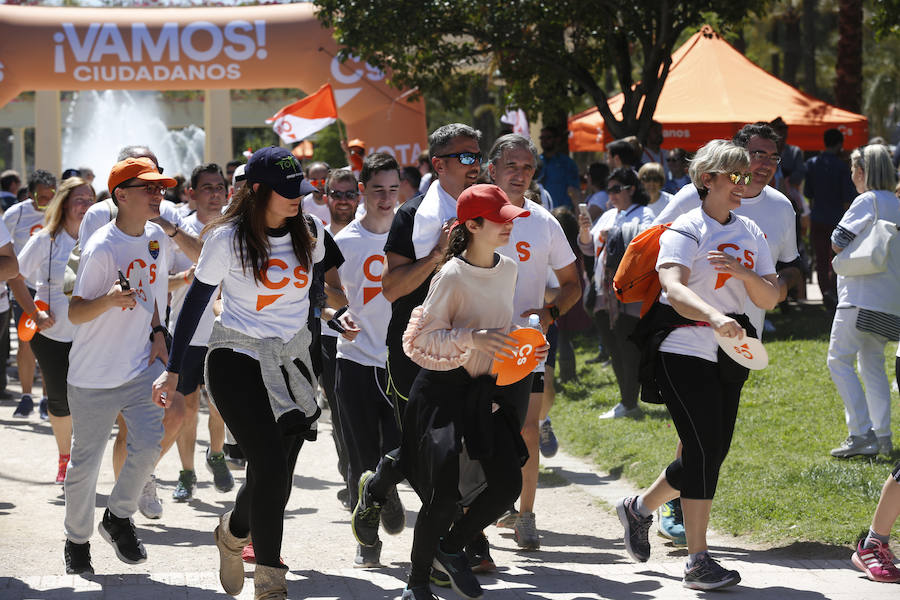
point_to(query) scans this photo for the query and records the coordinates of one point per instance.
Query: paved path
(582, 555)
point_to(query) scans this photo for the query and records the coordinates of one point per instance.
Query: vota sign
(198, 51)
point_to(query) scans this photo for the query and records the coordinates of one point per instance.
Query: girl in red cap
(455, 406)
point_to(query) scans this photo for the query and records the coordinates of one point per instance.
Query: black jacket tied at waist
(446, 410)
(655, 326)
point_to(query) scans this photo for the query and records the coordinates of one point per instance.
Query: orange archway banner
(251, 47)
(713, 90)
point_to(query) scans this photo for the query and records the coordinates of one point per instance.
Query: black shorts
(537, 384)
(520, 393)
(18, 311)
(553, 340)
(191, 376)
(53, 357)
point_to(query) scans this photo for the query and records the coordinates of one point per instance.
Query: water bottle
(534, 321)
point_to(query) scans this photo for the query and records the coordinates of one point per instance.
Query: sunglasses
(740, 178)
(317, 182)
(464, 158)
(357, 151)
(761, 156)
(348, 195)
(151, 188)
(617, 189)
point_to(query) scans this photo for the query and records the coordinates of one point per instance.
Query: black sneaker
(456, 567)
(439, 579)
(393, 516)
(419, 592)
(478, 553)
(44, 409)
(24, 408)
(343, 496)
(366, 514)
(222, 478)
(707, 574)
(367, 557)
(637, 541)
(121, 535)
(78, 558)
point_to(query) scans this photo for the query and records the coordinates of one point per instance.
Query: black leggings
(503, 474)
(53, 357)
(236, 385)
(704, 409)
(326, 380)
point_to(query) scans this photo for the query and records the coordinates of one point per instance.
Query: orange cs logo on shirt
(34, 230)
(300, 280)
(524, 250)
(748, 262)
(370, 292)
(140, 264)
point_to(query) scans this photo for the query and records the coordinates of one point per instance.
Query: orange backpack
(636, 279)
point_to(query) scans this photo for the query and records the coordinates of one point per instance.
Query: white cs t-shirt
(311, 207)
(113, 349)
(277, 306)
(361, 277)
(179, 263)
(739, 237)
(43, 260)
(171, 212)
(23, 220)
(537, 244)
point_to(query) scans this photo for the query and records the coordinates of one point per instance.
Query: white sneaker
(619, 411)
(149, 503)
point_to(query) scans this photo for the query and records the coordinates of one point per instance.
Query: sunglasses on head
(348, 195)
(738, 178)
(464, 158)
(617, 189)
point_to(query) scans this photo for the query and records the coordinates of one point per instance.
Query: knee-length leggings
(704, 409)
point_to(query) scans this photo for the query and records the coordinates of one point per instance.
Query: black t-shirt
(403, 371)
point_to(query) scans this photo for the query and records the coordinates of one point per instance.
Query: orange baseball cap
(356, 143)
(136, 168)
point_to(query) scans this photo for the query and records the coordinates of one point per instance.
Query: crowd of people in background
(271, 291)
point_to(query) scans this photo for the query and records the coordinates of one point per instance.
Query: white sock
(641, 508)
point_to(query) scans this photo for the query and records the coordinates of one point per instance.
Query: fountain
(100, 122)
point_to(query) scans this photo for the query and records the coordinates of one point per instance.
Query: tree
(848, 85)
(548, 54)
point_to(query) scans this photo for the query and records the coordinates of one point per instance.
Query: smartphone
(583, 210)
(123, 282)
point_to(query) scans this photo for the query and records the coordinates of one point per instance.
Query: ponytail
(459, 240)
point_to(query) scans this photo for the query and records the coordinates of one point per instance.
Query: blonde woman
(43, 261)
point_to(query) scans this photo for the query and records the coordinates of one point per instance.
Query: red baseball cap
(136, 168)
(488, 201)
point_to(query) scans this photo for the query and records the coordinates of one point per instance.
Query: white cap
(238, 175)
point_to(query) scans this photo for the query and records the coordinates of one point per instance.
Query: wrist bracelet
(186, 278)
(174, 233)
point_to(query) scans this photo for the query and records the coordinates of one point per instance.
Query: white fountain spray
(100, 123)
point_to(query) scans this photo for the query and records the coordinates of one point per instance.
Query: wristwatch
(554, 312)
(159, 329)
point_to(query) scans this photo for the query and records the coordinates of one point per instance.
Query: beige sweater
(462, 299)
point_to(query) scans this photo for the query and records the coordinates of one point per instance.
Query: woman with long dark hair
(258, 368)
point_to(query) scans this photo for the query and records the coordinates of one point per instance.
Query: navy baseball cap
(277, 168)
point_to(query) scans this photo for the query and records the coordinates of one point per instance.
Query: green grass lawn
(778, 483)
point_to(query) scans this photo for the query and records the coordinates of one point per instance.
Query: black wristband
(554, 312)
(159, 329)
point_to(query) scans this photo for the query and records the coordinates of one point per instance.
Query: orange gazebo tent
(711, 91)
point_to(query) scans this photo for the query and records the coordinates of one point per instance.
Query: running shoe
(184, 489)
(62, 468)
(393, 516)
(439, 579)
(222, 478)
(508, 520)
(343, 496)
(637, 542)
(121, 535)
(549, 444)
(78, 558)
(707, 574)
(24, 408)
(457, 568)
(876, 561)
(885, 446)
(149, 503)
(367, 557)
(525, 532)
(855, 445)
(671, 522)
(419, 592)
(619, 411)
(366, 515)
(43, 409)
(478, 553)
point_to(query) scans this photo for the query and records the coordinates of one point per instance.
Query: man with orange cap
(121, 283)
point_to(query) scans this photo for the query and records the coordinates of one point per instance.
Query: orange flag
(305, 117)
